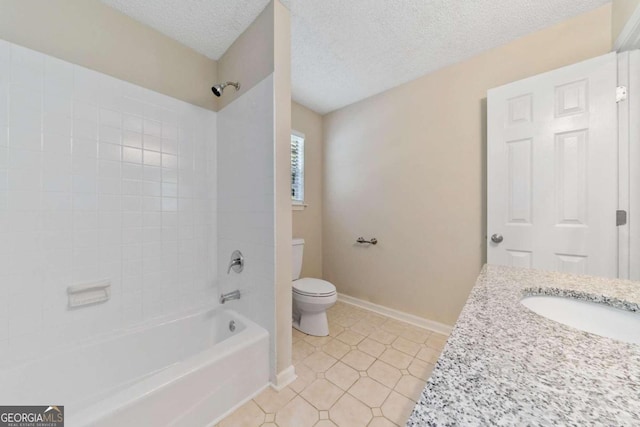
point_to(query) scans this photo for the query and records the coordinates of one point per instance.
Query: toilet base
(315, 324)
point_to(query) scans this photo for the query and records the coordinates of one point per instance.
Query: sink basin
(599, 319)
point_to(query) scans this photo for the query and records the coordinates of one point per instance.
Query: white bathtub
(186, 371)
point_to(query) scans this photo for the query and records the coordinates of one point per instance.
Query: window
(297, 167)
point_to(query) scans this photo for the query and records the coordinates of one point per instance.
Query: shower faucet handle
(237, 262)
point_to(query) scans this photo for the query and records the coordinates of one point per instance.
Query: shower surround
(99, 180)
(246, 204)
(102, 180)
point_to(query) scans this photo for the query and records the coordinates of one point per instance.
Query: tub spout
(229, 296)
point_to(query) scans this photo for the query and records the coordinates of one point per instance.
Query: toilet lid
(313, 287)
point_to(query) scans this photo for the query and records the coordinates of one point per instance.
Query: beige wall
(407, 167)
(307, 223)
(282, 126)
(91, 34)
(250, 58)
(620, 14)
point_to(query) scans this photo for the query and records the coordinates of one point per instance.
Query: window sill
(298, 206)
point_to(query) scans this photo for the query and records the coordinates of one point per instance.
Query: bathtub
(189, 370)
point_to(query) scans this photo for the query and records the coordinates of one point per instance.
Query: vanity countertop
(504, 364)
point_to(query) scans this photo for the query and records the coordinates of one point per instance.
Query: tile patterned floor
(369, 371)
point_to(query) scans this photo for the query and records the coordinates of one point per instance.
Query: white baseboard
(421, 322)
(284, 378)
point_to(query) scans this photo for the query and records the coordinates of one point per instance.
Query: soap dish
(89, 293)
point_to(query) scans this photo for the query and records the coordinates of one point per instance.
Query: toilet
(311, 298)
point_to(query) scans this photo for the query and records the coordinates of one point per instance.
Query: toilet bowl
(311, 298)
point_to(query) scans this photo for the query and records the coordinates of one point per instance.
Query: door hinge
(621, 218)
(621, 93)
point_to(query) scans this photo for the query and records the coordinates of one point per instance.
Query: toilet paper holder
(373, 240)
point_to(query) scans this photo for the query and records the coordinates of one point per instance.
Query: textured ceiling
(344, 51)
(207, 26)
(347, 50)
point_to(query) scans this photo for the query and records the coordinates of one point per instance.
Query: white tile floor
(369, 371)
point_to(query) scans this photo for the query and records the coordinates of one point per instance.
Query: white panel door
(552, 170)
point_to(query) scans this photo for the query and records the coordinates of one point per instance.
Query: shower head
(219, 88)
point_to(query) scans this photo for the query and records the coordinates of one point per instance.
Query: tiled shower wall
(99, 179)
(246, 203)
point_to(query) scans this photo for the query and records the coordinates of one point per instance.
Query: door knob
(497, 238)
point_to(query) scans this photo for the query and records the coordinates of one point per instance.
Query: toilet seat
(313, 287)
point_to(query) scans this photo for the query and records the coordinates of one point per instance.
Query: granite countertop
(506, 365)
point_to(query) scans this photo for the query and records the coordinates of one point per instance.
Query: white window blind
(297, 167)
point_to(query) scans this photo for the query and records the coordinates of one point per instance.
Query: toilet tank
(296, 265)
